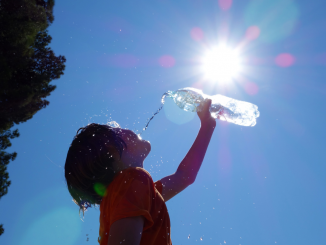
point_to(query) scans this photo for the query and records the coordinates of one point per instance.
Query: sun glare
(221, 64)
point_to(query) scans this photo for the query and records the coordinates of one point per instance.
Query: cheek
(133, 147)
(136, 147)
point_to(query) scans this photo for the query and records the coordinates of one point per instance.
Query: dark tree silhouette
(27, 66)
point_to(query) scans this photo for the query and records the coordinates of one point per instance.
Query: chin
(147, 147)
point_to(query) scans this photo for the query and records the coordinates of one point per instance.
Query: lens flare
(284, 60)
(100, 189)
(251, 88)
(252, 32)
(221, 64)
(197, 34)
(167, 61)
(225, 4)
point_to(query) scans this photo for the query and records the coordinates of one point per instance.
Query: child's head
(95, 155)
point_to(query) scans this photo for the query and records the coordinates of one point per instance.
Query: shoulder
(131, 175)
(137, 173)
(132, 181)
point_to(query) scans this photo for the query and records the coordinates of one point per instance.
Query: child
(104, 166)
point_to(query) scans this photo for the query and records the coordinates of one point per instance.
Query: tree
(27, 66)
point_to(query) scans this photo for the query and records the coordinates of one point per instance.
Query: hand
(205, 115)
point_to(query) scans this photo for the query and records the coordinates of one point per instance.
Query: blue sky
(257, 185)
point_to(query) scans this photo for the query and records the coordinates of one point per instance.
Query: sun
(221, 64)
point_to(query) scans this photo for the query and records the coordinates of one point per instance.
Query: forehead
(122, 131)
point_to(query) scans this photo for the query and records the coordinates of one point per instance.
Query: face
(137, 149)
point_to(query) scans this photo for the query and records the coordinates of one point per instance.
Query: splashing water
(159, 109)
(183, 98)
(113, 124)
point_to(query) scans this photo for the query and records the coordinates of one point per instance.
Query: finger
(207, 104)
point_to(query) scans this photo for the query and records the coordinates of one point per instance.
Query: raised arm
(190, 165)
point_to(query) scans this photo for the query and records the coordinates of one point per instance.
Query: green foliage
(27, 66)
(5, 158)
(23, 95)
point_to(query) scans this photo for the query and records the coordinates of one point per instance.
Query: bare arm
(127, 231)
(190, 165)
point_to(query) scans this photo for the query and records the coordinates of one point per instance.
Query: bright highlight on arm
(221, 64)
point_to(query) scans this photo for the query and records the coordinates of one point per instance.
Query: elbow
(191, 180)
(187, 181)
(187, 178)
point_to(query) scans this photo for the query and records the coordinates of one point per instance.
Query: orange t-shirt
(133, 193)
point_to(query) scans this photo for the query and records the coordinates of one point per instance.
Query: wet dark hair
(88, 167)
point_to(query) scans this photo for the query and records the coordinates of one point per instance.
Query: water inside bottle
(235, 111)
(223, 108)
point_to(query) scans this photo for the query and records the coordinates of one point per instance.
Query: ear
(111, 150)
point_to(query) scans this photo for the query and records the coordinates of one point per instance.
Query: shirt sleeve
(159, 187)
(133, 197)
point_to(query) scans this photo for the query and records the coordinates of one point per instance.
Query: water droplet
(189, 236)
(201, 238)
(93, 134)
(113, 124)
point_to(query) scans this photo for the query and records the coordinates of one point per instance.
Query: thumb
(207, 104)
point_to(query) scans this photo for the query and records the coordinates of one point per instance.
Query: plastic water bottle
(223, 108)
